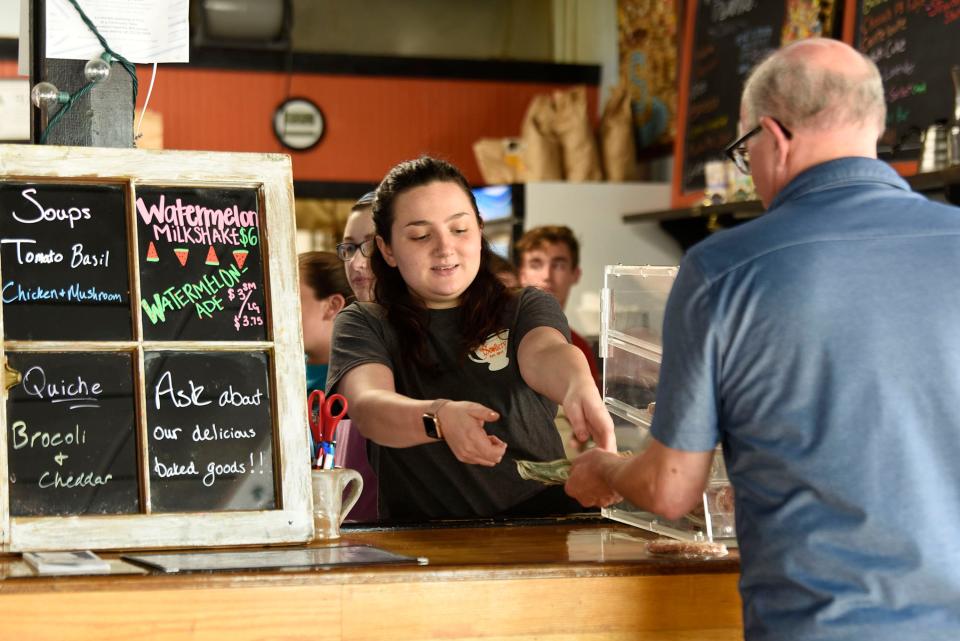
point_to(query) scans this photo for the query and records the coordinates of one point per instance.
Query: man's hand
(590, 478)
(462, 425)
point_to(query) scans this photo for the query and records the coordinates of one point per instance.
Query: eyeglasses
(737, 150)
(346, 251)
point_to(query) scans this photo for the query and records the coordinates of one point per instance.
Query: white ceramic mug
(329, 506)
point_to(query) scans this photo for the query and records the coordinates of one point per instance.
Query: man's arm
(394, 420)
(558, 370)
(662, 480)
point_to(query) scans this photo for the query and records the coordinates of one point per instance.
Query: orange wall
(371, 122)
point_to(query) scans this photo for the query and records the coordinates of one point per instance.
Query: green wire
(126, 64)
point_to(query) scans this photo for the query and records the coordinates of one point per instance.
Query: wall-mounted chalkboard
(723, 40)
(914, 44)
(150, 322)
(201, 268)
(72, 439)
(727, 43)
(64, 256)
(210, 431)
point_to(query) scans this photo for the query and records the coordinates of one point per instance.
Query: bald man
(820, 344)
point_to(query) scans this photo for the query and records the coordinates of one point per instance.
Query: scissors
(323, 421)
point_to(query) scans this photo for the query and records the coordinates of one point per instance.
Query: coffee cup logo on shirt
(493, 352)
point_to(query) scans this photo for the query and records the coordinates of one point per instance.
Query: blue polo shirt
(820, 344)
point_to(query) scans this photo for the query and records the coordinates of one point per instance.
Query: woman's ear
(386, 251)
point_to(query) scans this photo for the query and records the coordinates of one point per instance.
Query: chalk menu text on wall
(210, 431)
(201, 267)
(914, 44)
(730, 38)
(64, 256)
(71, 440)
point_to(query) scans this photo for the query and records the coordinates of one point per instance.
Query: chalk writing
(64, 254)
(210, 440)
(730, 37)
(189, 294)
(49, 214)
(71, 440)
(913, 44)
(201, 293)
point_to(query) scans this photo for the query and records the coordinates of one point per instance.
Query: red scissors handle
(331, 420)
(316, 417)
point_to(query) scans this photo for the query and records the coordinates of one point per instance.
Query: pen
(329, 448)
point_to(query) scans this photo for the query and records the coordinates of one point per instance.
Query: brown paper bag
(541, 152)
(581, 160)
(617, 145)
(500, 160)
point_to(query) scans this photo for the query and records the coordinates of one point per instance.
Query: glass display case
(633, 300)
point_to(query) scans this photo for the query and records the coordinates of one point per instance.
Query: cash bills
(547, 472)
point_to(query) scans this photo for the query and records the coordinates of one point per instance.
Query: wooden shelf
(743, 209)
(924, 183)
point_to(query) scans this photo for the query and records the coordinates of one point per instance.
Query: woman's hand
(462, 426)
(588, 416)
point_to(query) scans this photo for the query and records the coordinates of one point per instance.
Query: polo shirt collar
(834, 173)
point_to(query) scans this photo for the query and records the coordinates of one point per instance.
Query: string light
(46, 95)
(98, 69)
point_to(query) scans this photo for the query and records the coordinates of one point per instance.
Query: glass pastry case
(633, 300)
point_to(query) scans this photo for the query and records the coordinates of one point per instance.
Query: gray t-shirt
(427, 481)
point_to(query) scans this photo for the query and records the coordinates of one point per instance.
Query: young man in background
(548, 258)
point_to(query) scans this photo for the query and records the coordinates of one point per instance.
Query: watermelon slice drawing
(152, 253)
(212, 257)
(182, 253)
(240, 255)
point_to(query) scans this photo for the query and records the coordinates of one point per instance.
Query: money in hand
(547, 472)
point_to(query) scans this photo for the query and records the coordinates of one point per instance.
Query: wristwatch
(431, 422)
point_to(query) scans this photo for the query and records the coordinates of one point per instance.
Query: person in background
(819, 345)
(324, 291)
(549, 258)
(450, 375)
(504, 270)
(355, 250)
(358, 246)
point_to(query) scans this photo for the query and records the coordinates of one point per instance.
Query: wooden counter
(571, 580)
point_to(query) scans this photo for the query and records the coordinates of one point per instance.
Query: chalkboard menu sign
(201, 272)
(154, 368)
(210, 433)
(723, 41)
(65, 272)
(729, 39)
(914, 44)
(72, 440)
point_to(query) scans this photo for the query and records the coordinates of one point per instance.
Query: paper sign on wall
(142, 31)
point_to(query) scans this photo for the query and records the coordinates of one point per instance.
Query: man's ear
(335, 303)
(781, 142)
(576, 275)
(386, 251)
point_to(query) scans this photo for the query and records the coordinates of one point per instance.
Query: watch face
(430, 426)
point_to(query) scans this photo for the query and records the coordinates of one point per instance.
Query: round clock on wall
(298, 123)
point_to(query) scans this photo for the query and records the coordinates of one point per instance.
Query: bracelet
(434, 411)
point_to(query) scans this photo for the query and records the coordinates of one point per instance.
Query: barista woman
(451, 376)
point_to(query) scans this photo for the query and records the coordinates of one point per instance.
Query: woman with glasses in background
(357, 247)
(355, 251)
